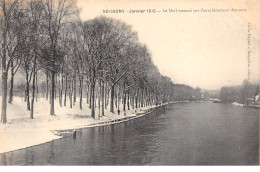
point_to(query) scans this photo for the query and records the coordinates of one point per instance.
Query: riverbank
(237, 104)
(243, 105)
(22, 132)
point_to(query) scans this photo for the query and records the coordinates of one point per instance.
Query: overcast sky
(202, 49)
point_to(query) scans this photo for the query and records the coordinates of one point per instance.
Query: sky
(204, 49)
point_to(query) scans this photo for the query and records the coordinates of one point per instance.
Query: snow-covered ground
(21, 131)
(237, 104)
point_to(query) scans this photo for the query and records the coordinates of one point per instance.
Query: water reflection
(51, 154)
(3, 159)
(180, 134)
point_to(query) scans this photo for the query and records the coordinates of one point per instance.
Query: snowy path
(21, 131)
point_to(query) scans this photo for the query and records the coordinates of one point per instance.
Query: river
(178, 134)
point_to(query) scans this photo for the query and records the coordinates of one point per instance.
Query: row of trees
(100, 59)
(239, 93)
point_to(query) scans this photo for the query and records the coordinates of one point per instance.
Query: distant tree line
(100, 60)
(239, 93)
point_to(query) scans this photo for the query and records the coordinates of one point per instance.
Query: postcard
(120, 82)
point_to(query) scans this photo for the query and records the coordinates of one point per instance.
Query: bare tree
(7, 17)
(57, 15)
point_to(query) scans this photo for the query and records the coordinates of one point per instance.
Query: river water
(178, 134)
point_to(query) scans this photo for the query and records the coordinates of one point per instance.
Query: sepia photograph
(129, 83)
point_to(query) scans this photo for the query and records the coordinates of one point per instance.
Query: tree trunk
(105, 94)
(128, 103)
(75, 91)
(92, 99)
(11, 87)
(27, 91)
(139, 99)
(47, 85)
(102, 99)
(112, 98)
(136, 100)
(33, 90)
(65, 92)
(95, 101)
(118, 100)
(37, 90)
(70, 92)
(56, 83)
(4, 91)
(80, 92)
(124, 98)
(61, 88)
(99, 98)
(142, 99)
(87, 98)
(4, 80)
(132, 101)
(52, 93)
(11, 83)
